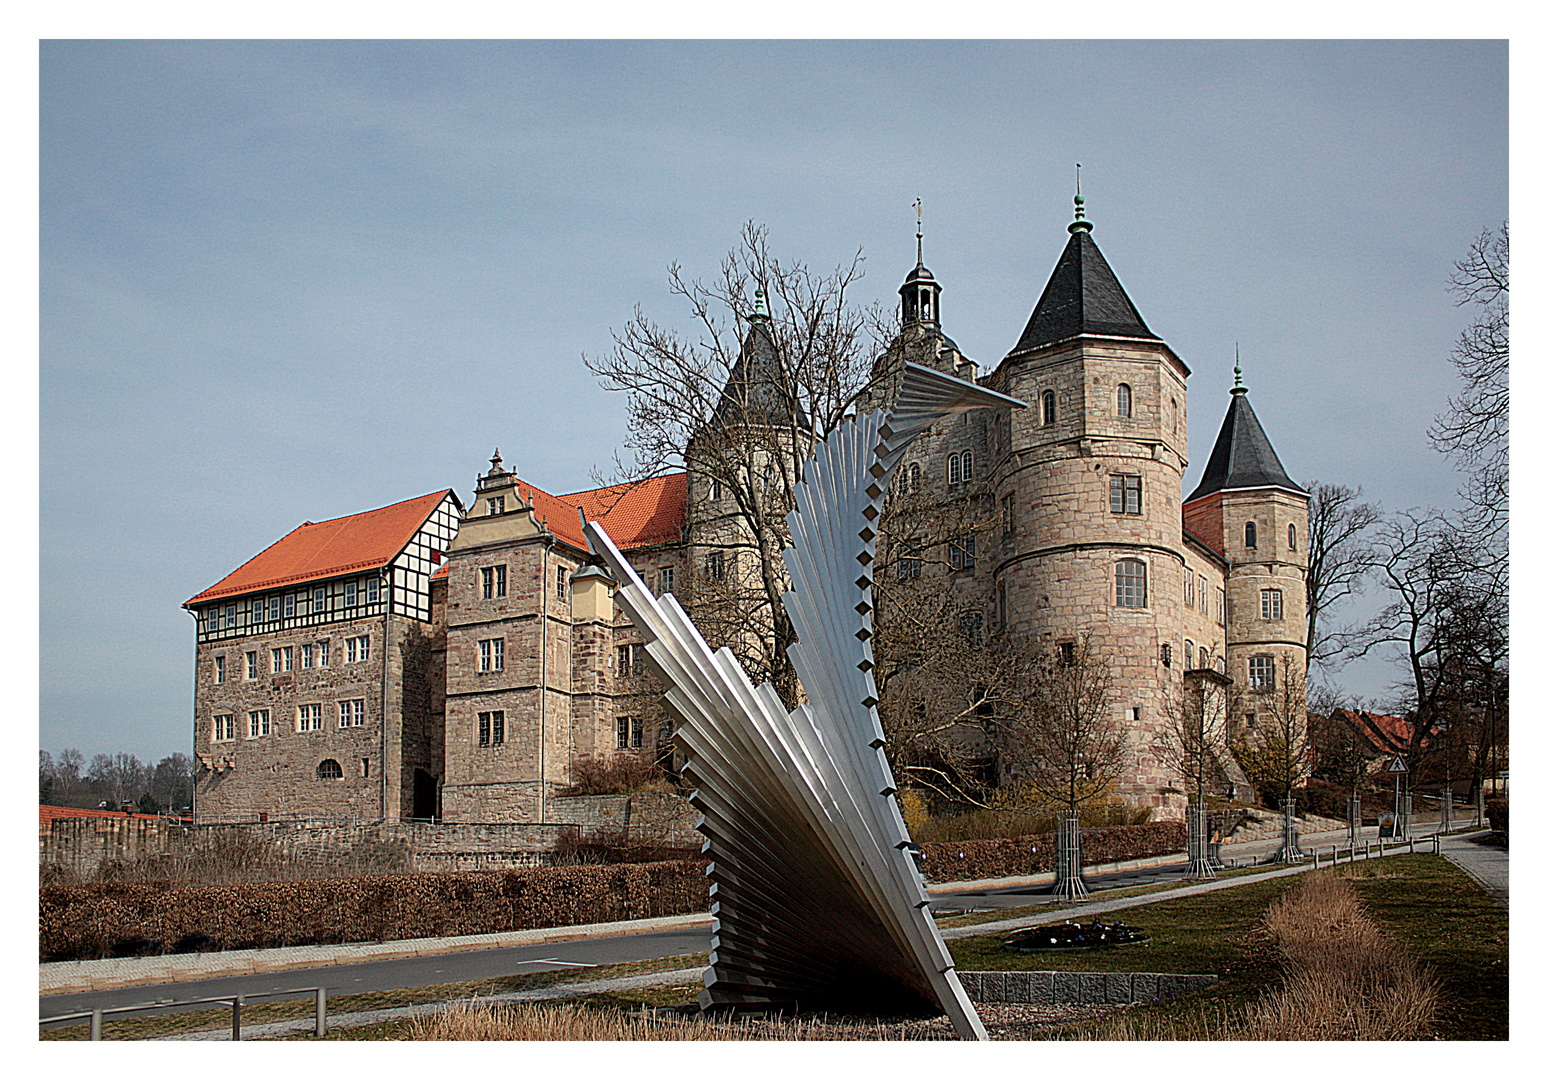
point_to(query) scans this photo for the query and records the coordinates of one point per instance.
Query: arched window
(1125, 400)
(1203, 657)
(1187, 655)
(913, 478)
(1251, 534)
(1292, 537)
(1129, 575)
(329, 769)
(954, 469)
(967, 470)
(1048, 406)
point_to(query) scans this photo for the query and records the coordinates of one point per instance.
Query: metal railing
(236, 1001)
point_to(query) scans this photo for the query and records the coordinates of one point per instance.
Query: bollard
(322, 1011)
(1410, 845)
(96, 1025)
(236, 1018)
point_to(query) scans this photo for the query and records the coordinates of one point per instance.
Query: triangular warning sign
(1395, 765)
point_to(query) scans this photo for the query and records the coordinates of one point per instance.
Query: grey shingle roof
(1243, 456)
(757, 390)
(1082, 296)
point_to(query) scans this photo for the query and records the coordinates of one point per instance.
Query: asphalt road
(399, 974)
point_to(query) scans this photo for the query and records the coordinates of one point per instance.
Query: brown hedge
(1498, 812)
(80, 922)
(969, 860)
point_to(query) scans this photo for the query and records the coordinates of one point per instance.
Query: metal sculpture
(817, 899)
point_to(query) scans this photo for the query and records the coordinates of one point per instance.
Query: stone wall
(81, 845)
(1077, 987)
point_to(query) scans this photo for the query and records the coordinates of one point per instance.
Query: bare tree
(171, 784)
(1341, 753)
(1475, 428)
(1071, 750)
(945, 691)
(1194, 736)
(737, 402)
(1338, 558)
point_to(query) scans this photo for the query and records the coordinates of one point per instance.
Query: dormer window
(496, 505)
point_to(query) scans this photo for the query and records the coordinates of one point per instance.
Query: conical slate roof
(1082, 297)
(757, 390)
(1243, 456)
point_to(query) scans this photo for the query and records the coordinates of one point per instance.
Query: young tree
(171, 784)
(776, 355)
(1276, 754)
(1071, 750)
(1194, 738)
(1338, 558)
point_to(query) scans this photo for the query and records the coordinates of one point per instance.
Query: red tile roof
(1388, 734)
(635, 515)
(640, 514)
(314, 551)
(46, 815)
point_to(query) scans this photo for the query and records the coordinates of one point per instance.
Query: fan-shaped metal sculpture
(817, 900)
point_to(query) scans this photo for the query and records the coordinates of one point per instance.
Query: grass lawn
(1426, 904)
(1441, 916)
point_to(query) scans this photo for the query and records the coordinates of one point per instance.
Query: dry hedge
(81, 922)
(969, 860)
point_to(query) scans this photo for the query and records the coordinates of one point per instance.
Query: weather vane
(919, 228)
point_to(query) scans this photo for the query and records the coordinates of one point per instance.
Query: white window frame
(257, 723)
(352, 713)
(220, 669)
(252, 664)
(1123, 592)
(665, 579)
(1271, 604)
(223, 727)
(1125, 401)
(308, 651)
(491, 655)
(967, 461)
(357, 650)
(309, 717)
(1260, 673)
(954, 469)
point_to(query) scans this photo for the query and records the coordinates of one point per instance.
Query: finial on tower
(919, 228)
(1080, 224)
(1238, 388)
(760, 306)
(494, 463)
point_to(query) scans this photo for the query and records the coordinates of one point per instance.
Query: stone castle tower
(1091, 534)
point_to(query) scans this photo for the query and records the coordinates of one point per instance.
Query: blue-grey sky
(289, 281)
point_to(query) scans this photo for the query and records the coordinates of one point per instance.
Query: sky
(286, 281)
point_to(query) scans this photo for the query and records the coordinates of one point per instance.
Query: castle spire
(1238, 389)
(760, 306)
(1080, 224)
(919, 229)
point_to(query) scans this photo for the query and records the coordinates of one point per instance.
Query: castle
(440, 659)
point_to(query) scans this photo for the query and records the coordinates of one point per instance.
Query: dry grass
(1343, 980)
(476, 1021)
(222, 858)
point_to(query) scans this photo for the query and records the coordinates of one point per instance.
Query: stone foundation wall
(1077, 987)
(81, 845)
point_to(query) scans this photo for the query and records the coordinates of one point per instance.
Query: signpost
(1399, 770)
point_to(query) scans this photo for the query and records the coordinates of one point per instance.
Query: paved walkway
(1488, 866)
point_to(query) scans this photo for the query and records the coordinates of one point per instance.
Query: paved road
(399, 974)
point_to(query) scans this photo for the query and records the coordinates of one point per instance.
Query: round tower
(1088, 481)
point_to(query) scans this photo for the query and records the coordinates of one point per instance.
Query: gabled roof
(1386, 734)
(1082, 296)
(1243, 456)
(317, 550)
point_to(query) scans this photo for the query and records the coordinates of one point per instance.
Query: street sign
(1395, 765)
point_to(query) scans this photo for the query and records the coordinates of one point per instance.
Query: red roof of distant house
(47, 814)
(324, 549)
(1389, 734)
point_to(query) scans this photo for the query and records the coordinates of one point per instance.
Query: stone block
(1120, 988)
(1144, 988)
(1040, 988)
